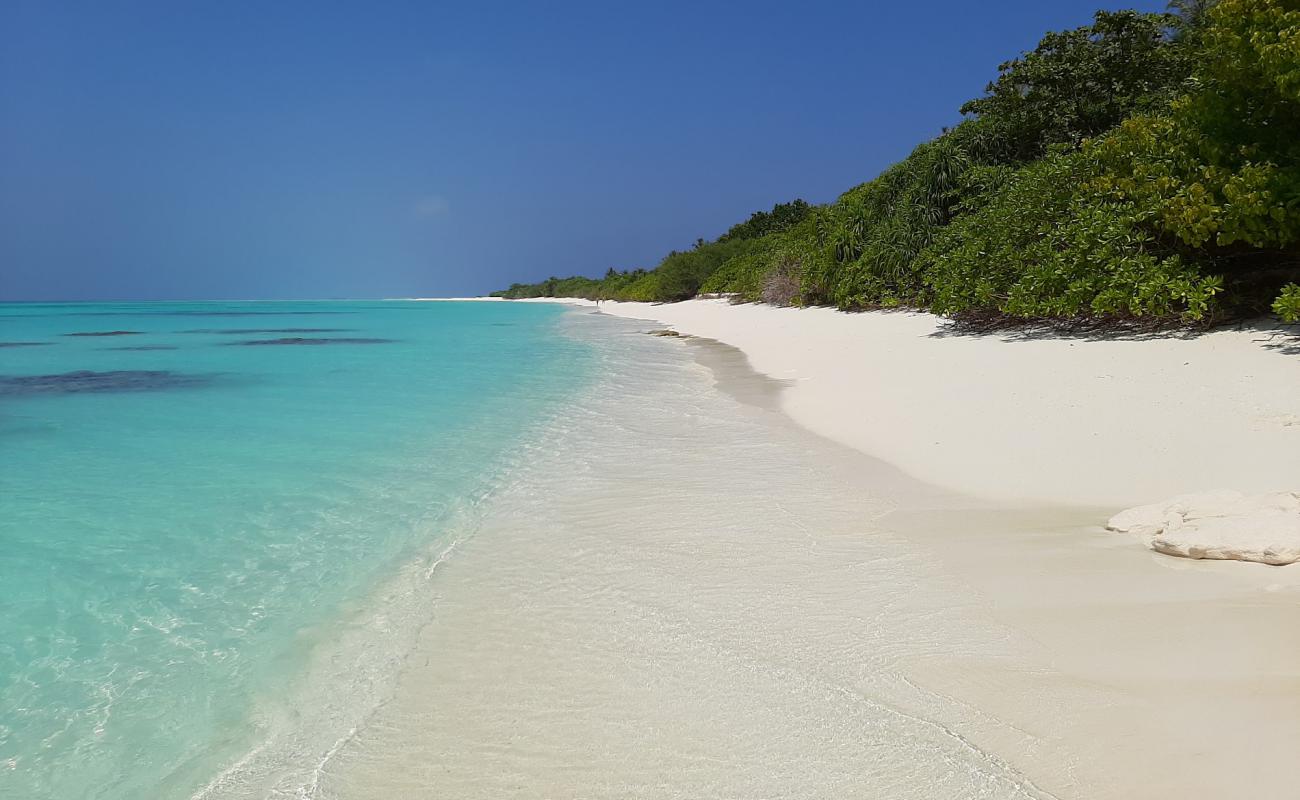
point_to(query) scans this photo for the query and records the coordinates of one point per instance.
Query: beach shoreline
(1209, 668)
(1109, 422)
(801, 604)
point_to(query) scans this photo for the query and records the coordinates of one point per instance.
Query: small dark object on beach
(105, 333)
(667, 332)
(86, 381)
(24, 344)
(292, 340)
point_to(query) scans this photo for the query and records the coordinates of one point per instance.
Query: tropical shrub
(1287, 305)
(1220, 172)
(680, 275)
(762, 223)
(1082, 82)
(790, 252)
(744, 274)
(1043, 246)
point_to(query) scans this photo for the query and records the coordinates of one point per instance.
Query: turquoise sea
(195, 498)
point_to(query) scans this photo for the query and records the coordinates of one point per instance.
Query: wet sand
(686, 595)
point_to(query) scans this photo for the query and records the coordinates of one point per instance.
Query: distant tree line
(1145, 166)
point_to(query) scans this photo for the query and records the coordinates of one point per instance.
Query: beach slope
(1097, 422)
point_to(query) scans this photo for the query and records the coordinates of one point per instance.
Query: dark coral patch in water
(86, 381)
(290, 340)
(143, 347)
(269, 330)
(148, 313)
(105, 333)
(24, 344)
(249, 313)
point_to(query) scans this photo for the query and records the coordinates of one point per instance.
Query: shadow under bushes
(1273, 334)
(1285, 341)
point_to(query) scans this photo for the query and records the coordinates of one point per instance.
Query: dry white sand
(1109, 423)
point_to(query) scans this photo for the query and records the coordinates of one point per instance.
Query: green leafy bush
(745, 273)
(1287, 305)
(1220, 172)
(1082, 82)
(1043, 246)
(787, 254)
(762, 223)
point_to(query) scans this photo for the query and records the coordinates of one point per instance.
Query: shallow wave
(666, 594)
(356, 662)
(175, 560)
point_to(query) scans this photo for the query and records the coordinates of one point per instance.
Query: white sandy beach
(688, 596)
(1107, 423)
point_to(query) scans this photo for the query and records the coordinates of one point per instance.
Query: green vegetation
(1146, 166)
(1287, 305)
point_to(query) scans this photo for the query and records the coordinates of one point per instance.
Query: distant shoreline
(1059, 420)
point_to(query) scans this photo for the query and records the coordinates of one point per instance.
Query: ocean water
(460, 550)
(198, 501)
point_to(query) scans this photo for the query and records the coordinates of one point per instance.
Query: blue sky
(154, 150)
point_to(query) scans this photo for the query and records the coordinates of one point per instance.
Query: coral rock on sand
(1222, 524)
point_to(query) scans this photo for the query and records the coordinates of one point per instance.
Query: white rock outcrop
(1221, 524)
